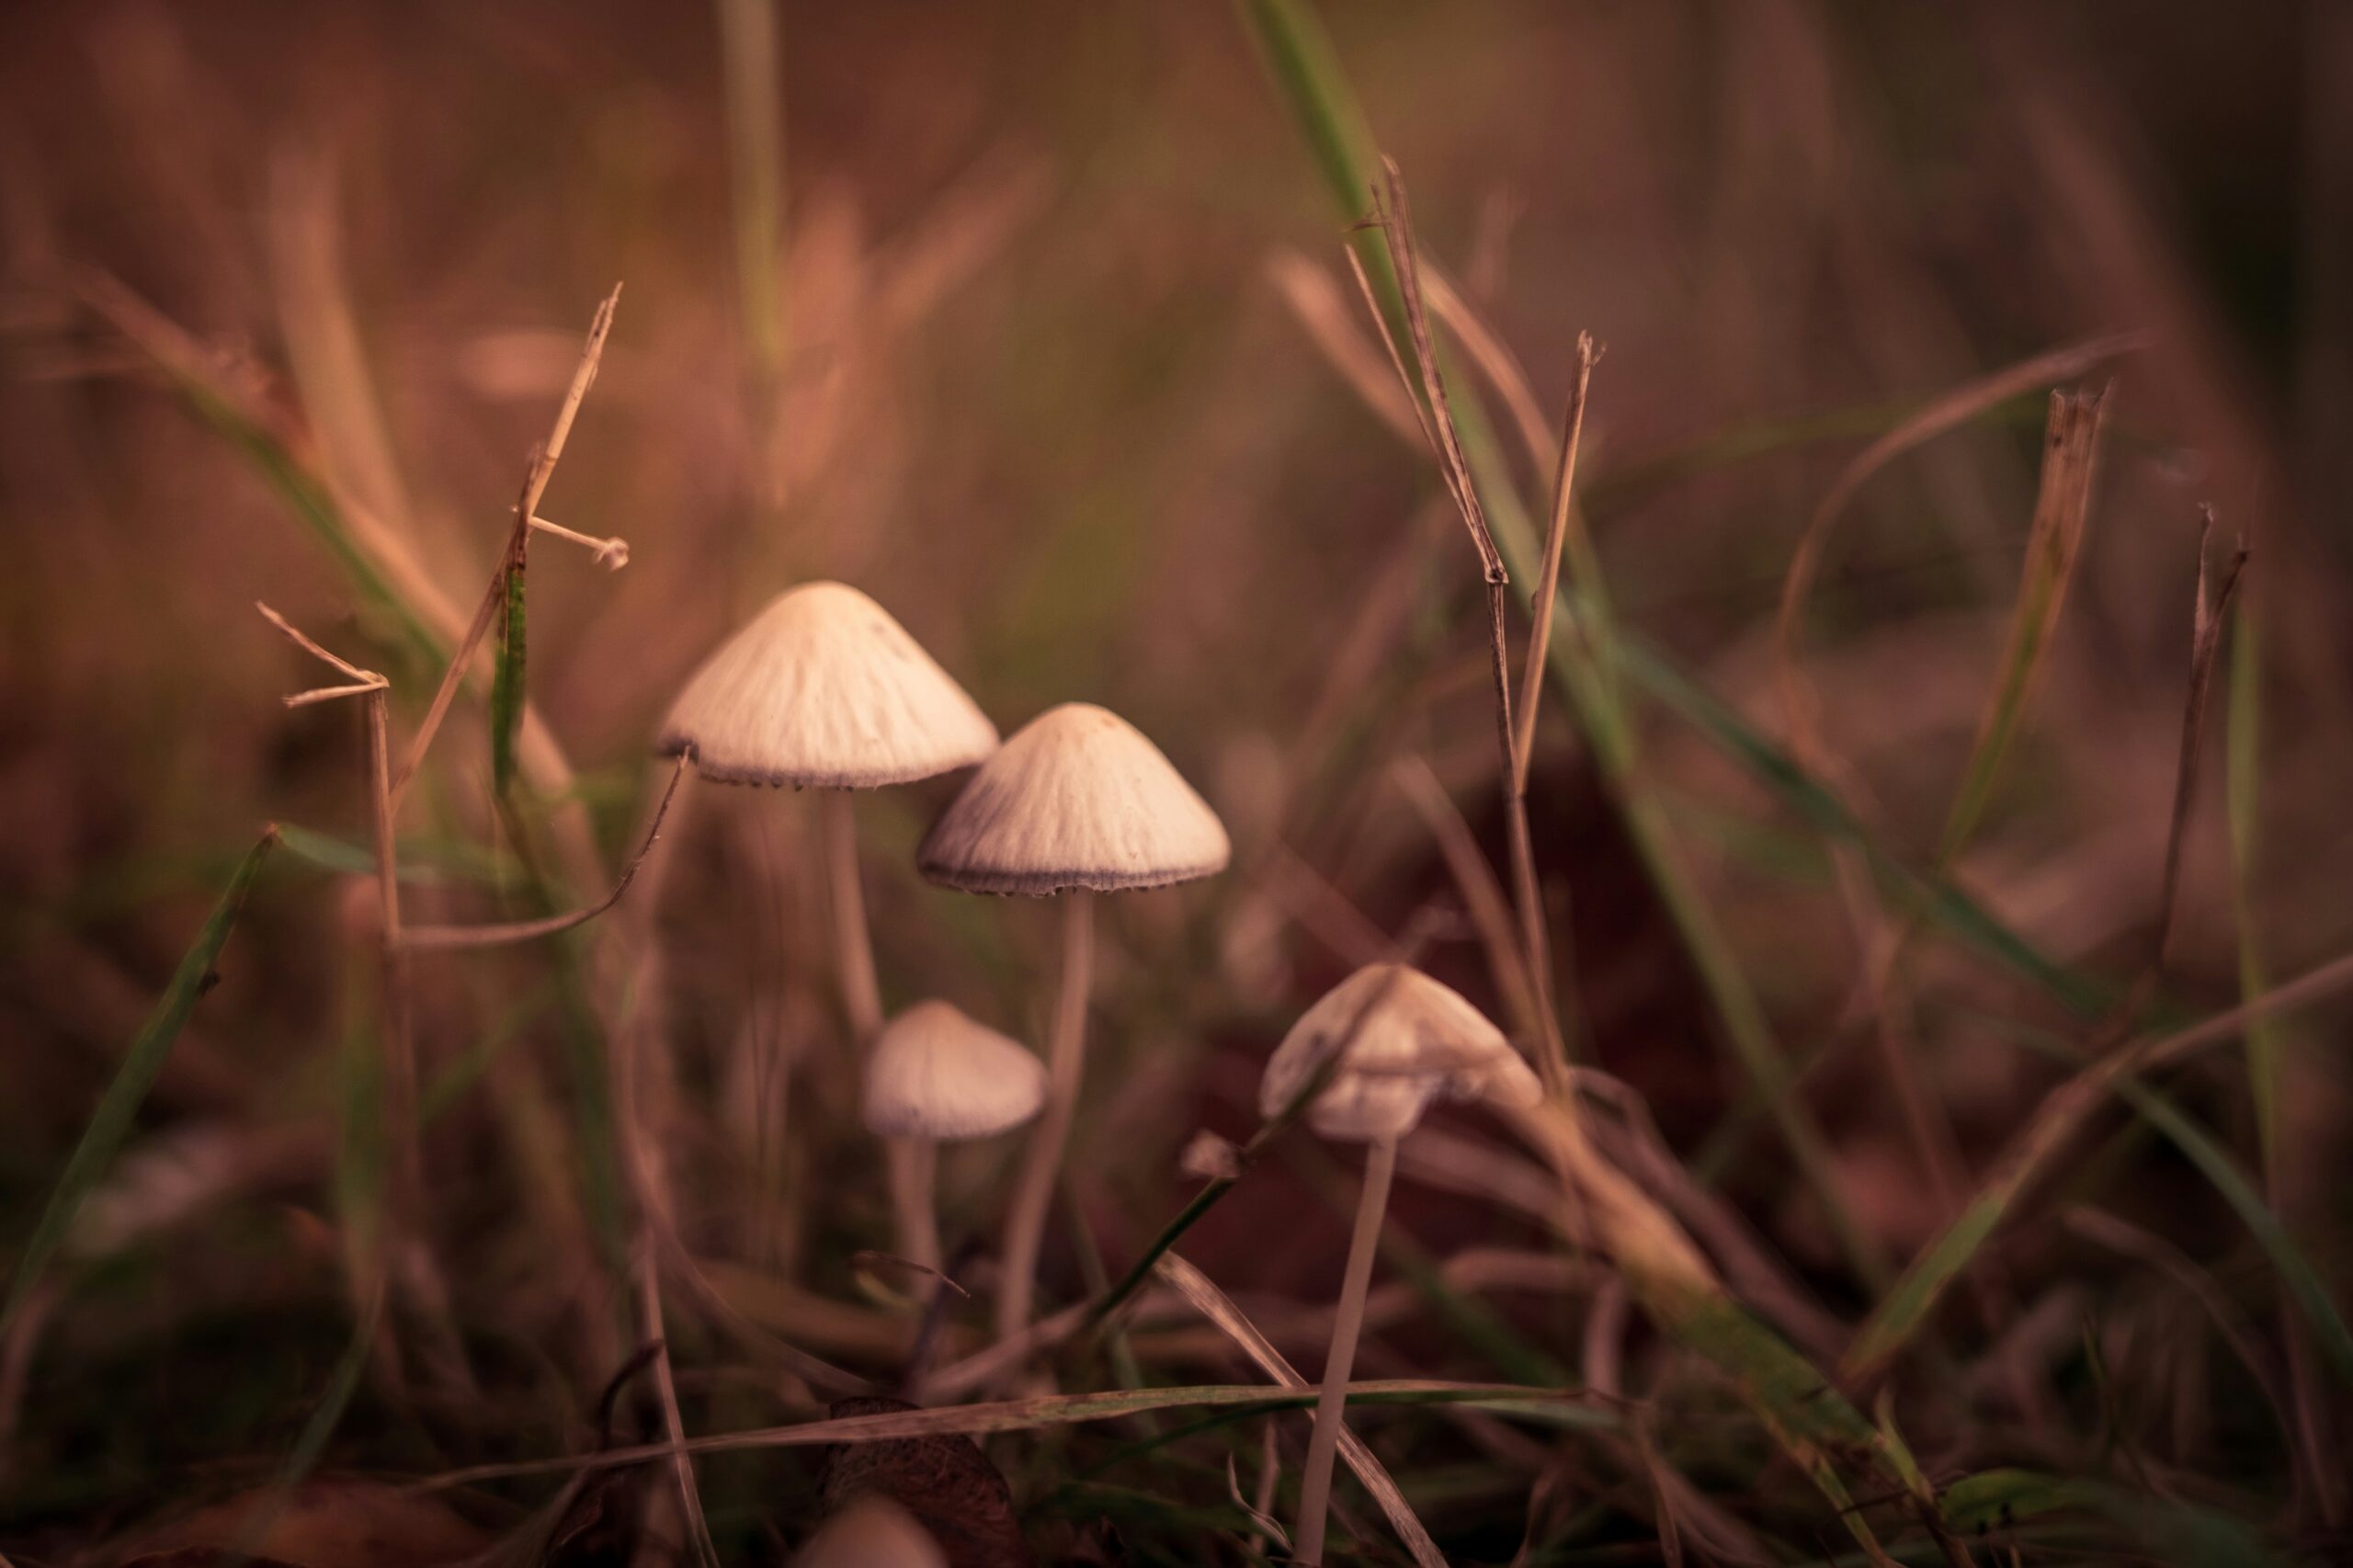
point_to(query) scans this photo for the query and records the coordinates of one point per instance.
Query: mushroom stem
(1315, 1481)
(914, 1168)
(918, 1239)
(1025, 1224)
(853, 945)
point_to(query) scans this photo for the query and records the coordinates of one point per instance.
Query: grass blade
(2222, 1171)
(2070, 448)
(1901, 1312)
(1030, 1414)
(2166, 1530)
(1215, 1305)
(119, 1107)
(2243, 775)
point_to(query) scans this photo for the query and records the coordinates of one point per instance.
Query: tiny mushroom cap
(1078, 798)
(932, 1073)
(1418, 1041)
(822, 689)
(871, 1532)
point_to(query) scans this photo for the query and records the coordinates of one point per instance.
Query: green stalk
(506, 685)
(2242, 745)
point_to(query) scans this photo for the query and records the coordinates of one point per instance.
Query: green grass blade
(1299, 55)
(748, 33)
(1905, 1308)
(1992, 1499)
(2222, 1173)
(506, 684)
(1997, 1501)
(119, 1107)
(2242, 768)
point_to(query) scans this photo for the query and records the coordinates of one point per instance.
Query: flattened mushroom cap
(822, 689)
(871, 1532)
(1419, 1042)
(1078, 798)
(932, 1073)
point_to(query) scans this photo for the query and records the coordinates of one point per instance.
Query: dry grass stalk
(196, 372)
(1947, 413)
(406, 1259)
(611, 553)
(535, 482)
(446, 938)
(1395, 218)
(1213, 1304)
(1548, 579)
(2210, 615)
(1483, 898)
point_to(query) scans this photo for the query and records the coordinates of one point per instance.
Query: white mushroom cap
(1078, 798)
(871, 1532)
(1420, 1040)
(824, 689)
(932, 1073)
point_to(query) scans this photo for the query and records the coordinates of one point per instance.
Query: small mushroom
(871, 1532)
(1403, 1041)
(934, 1073)
(824, 690)
(1077, 802)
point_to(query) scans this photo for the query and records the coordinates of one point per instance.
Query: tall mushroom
(1405, 1040)
(823, 690)
(934, 1073)
(1076, 803)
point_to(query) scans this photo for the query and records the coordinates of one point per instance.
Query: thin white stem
(1315, 1481)
(915, 1171)
(853, 944)
(1033, 1192)
(909, 1174)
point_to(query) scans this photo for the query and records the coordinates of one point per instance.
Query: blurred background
(1032, 321)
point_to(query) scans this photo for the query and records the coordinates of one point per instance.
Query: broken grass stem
(535, 482)
(444, 938)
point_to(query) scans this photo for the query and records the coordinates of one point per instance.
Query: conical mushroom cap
(822, 689)
(1077, 798)
(932, 1073)
(1419, 1041)
(871, 1532)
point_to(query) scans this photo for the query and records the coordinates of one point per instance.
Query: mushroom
(871, 1532)
(934, 1073)
(823, 690)
(1403, 1040)
(1077, 802)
